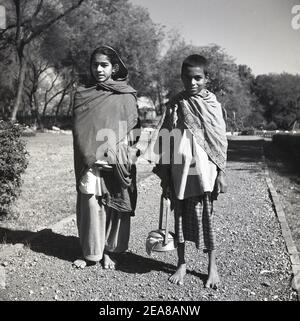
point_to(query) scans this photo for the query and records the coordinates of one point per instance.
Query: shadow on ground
(68, 248)
(45, 241)
(133, 263)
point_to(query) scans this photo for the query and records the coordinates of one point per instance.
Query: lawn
(48, 192)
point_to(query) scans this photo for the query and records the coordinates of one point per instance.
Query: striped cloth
(194, 221)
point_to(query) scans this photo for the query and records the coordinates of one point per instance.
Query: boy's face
(193, 79)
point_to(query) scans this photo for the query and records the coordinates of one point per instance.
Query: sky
(258, 33)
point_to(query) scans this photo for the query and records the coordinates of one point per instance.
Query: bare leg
(108, 261)
(213, 280)
(178, 276)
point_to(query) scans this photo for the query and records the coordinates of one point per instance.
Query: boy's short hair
(195, 61)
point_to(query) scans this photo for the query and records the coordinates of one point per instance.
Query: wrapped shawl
(203, 116)
(112, 107)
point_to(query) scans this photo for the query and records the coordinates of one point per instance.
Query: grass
(48, 193)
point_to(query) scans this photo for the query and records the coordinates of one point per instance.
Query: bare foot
(79, 264)
(213, 280)
(177, 277)
(108, 262)
(82, 263)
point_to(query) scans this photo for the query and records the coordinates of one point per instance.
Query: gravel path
(253, 262)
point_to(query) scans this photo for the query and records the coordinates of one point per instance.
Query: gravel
(252, 259)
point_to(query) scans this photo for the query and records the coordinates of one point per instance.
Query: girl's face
(102, 69)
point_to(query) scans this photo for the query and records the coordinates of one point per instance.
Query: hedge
(13, 162)
(289, 143)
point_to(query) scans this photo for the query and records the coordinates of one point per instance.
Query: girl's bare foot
(213, 280)
(82, 263)
(177, 277)
(108, 262)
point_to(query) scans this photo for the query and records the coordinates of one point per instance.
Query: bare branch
(39, 29)
(38, 8)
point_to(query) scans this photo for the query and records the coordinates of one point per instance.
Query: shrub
(13, 162)
(290, 145)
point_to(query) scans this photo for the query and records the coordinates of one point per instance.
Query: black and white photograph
(149, 154)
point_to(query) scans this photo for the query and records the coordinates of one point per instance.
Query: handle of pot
(167, 221)
(161, 212)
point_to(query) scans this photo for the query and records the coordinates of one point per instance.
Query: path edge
(285, 229)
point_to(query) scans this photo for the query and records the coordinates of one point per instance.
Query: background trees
(279, 96)
(46, 47)
(225, 79)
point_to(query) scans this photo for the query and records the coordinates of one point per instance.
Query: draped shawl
(112, 107)
(202, 115)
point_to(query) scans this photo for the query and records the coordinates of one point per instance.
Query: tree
(29, 20)
(279, 94)
(224, 79)
(117, 23)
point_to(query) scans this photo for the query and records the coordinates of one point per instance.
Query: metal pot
(161, 240)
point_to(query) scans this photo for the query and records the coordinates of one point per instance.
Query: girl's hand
(102, 164)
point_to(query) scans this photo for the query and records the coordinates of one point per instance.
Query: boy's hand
(133, 154)
(221, 184)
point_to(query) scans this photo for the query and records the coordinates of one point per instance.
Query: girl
(104, 134)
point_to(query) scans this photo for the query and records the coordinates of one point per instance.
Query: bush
(13, 162)
(290, 145)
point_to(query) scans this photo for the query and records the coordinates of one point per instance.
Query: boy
(195, 174)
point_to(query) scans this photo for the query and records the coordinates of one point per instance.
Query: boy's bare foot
(213, 280)
(177, 277)
(108, 262)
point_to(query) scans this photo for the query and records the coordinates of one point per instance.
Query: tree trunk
(20, 87)
(36, 112)
(71, 100)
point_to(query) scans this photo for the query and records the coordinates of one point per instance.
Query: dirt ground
(252, 258)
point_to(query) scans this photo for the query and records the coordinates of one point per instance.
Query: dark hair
(114, 59)
(109, 52)
(195, 61)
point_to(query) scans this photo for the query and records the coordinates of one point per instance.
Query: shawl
(103, 116)
(202, 115)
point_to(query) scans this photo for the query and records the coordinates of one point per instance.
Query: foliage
(224, 79)
(117, 23)
(279, 95)
(13, 163)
